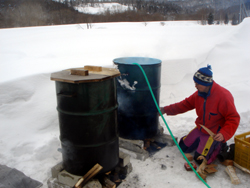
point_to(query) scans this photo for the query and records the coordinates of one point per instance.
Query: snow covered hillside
(102, 8)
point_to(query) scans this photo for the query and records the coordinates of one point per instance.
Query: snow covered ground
(29, 130)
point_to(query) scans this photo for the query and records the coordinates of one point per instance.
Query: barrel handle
(66, 95)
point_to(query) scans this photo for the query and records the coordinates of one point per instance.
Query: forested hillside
(23, 13)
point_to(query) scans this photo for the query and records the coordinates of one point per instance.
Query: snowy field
(29, 129)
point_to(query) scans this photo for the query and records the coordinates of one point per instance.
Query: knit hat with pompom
(204, 76)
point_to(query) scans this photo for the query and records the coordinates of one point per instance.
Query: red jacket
(216, 111)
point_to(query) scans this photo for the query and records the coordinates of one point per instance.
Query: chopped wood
(96, 171)
(201, 169)
(146, 144)
(108, 183)
(189, 156)
(79, 182)
(93, 68)
(211, 165)
(91, 173)
(79, 72)
(107, 173)
(242, 168)
(210, 170)
(231, 172)
(228, 162)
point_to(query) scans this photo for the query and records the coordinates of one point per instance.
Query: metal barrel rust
(137, 114)
(87, 112)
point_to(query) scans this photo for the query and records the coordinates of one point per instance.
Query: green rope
(156, 104)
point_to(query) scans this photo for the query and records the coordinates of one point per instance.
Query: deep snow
(29, 130)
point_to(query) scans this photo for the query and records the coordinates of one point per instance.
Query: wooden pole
(208, 131)
(242, 168)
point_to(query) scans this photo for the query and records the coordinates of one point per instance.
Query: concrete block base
(137, 148)
(63, 179)
(54, 183)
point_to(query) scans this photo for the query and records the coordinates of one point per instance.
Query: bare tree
(29, 14)
(226, 19)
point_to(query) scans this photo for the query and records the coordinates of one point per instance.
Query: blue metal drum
(137, 114)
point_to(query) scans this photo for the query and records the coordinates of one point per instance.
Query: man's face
(202, 88)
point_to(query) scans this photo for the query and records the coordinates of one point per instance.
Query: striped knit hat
(204, 76)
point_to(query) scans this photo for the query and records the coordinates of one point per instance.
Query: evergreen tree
(226, 19)
(210, 19)
(234, 20)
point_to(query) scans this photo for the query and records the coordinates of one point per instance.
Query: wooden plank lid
(85, 74)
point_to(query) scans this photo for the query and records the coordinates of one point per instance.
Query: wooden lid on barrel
(85, 74)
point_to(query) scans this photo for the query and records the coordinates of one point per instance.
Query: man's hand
(219, 137)
(162, 111)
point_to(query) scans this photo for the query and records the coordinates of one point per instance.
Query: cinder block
(93, 183)
(127, 169)
(132, 145)
(124, 159)
(65, 177)
(56, 169)
(143, 155)
(53, 183)
(165, 139)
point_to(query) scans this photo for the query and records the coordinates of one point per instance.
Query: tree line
(23, 13)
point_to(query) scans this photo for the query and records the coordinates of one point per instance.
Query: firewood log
(91, 173)
(201, 169)
(231, 172)
(108, 183)
(78, 183)
(228, 162)
(189, 156)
